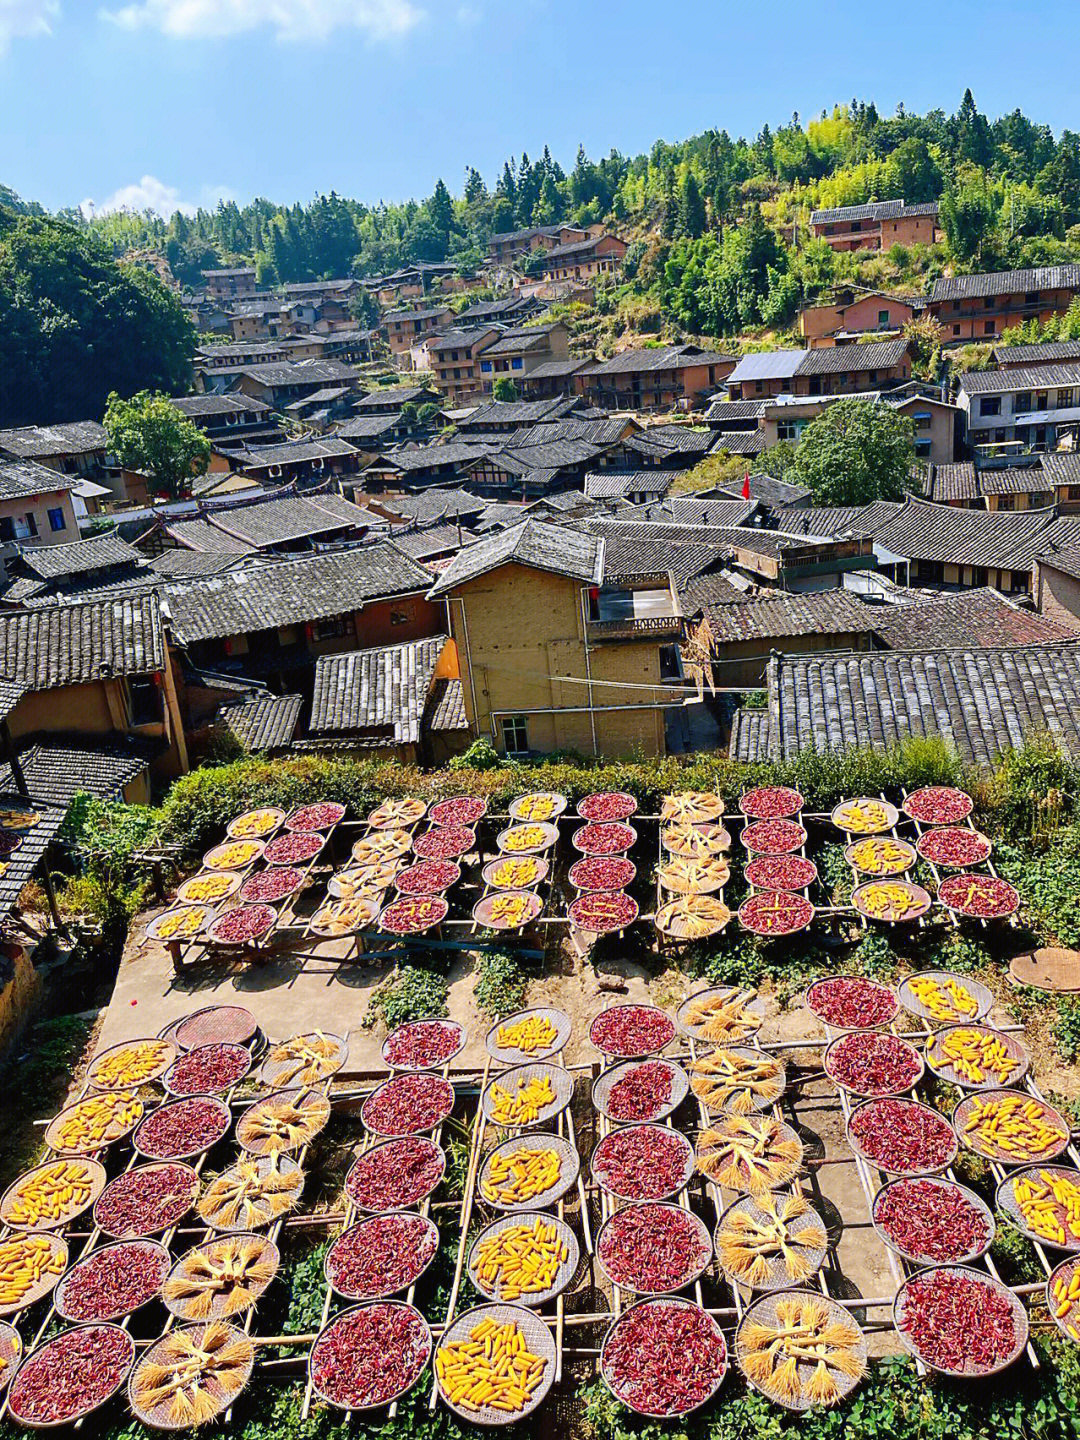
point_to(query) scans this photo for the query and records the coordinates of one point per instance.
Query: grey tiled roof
(664, 357)
(290, 592)
(1007, 540)
(367, 427)
(23, 479)
(555, 369)
(11, 692)
(265, 722)
(844, 359)
(276, 520)
(385, 689)
(768, 365)
(876, 210)
(258, 457)
(415, 458)
(434, 540)
(611, 484)
(177, 564)
(723, 412)
(827, 612)
(1006, 282)
(965, 618)
(836, 519)
(97, 552)
(22, 863)
(980, 701)
(198, 533)
(534, 543)
(1046, 352)
(446, 708)
(705, 510)
(517, 412)
(661, 441)
(74, 644)
(199, 406)
(952, 482)
(394, 395)
(435, 503)
(740, 442)
(749, 735)
(1065, 560)
(770, 491)
(1029, 377)
(29, 442)
(56, 769)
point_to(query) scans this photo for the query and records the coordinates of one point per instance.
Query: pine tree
(691, 219)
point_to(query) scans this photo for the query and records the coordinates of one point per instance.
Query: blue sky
(166, 102)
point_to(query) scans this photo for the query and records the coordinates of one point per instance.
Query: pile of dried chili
(641, 1092)
(183, 1128)
(145, 1200)
(644, 1162)
(421, 1044)
(959, 1321)
(114, 1281)
(294, 848)
(932, 1221)
(323, 815)
(408, 1105)
(903, 1137)
(871, 1064)
(629, 1030)
(849, 1002)
(71, 1374)
(380, 1256)
(369, 1355)
(652, 1248)
(773, 837)
(661, 1358)
(400, 1173)
(208, 1069)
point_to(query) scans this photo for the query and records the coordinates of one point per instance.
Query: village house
(35, 507)
(584, 259)
(229, 418)
(412, 466)
(519, 350)
(296, 461)
(389, 399)
(1034, 406)
(1045, 352)
(273, 620)
(455, 360)
(502, 417)
(278, 384)
(76, 571)
(96, 706)
(396, 702)
(509, 310)
(405, 329)
(854, 315)
(980, 307)
(507, 246)
(267, 319)
(281, 522)
(235, 357)
(877, 226)
(78, 448)
(654, 378)
(551, 379)
(546, 644)
(237, 283)
(1055, 585)
(836, 370)
(1027, 482)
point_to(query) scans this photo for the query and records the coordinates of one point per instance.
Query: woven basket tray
(942, 1184)
(217, 1023)
(693, 1032)
(1051, 1116)
(461, 1038)
(268, 1254)
(569, 1169)
(507, 1056)
(418, 1269)
(1020, 1320)
(11, 1350)
(605, 1371)
(87, 1408)
(1018, 1053)
(764, 1311)
(115, 1131)
(759, 1103)
(828, 1064)
(550, 838)
(1006, 1200)
(905, 1174)
(683, 1180)
(693, 1272)
(383, 1400)
(541, 867)
(287, 1166)
(565, 1274)
(891, 818)
(156, 1073)
(603, 1085)
(172, 1077)
(539, 1341)
(57, 1247)
(316, 1110)
(778, 1277)
(421, 1130)
(562, 1083)
(980, 994)
(559, 805)
(138, 1140)
(96, 1178)
(483, 910)
(276, 1072)
(159, 1418)
(1068, 1324)
(149, 1247)
(191, 1180)
(438, 1152)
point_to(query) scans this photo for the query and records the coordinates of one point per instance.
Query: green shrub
(500, 984)
(407, 993)
(1067, 1028)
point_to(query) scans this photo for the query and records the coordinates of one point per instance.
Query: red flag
(746, 486)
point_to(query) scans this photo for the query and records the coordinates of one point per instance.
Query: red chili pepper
(380, 1256)
(664, 1359)
(114, 1282)
(323, 815)
(629, 1030)
(871, 1064)
(368, 1356)
(183, 1128)
(653, 1248)
(431, 877)
(294, 849)
(244, 923)
(410, 914)
(266, 887)
(773, 837)
(603, 911)
(771, 802)
(932, 1221)
(983, 897)
(902, 1136)
(421, 1044)
(606, 806)
(408, 1104)
(938, 805)
(953, 849)
(445, 842)
(611, 839)
(852, 1003)
(641, 1093)
(208, 1069)
(775, 912)
(145, 1200)
(461, 810)
(71, 1374)
(597, 873)
(957, 1322)
(645, 1162)
(781, 872)
(396, 1175)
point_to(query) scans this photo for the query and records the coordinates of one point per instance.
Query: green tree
(75, 325)
(149, 433)
(855, 452)
(505, 389)
(968, 213)
(691, 216)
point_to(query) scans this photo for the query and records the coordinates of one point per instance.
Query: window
(787, 430)
(956, 329)
(988, 302)
(515, 730)
(1064, 399)
(56, 518)
(26, 527)
(883, 319)
(990, 405)
(923, 419)
(988, 327)
(145, 702)
(922, 449)
(1031, 298)
(516, 364)
(7, 528)
(1022, 403)
(332, 627)
(979, 576)
(402, 615)
(485, 366)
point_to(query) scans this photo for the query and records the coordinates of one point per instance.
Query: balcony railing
(658, 626)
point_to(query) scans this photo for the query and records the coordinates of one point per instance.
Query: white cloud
(292, 20)
(26, 18)
(150, 193)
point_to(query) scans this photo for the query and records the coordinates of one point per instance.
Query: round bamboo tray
(606, 1082)
(1049, 1115)
(217, 1024)
(889, 820)
(431, 1232)
(982, 997)
(507, 1055)
(187, 1188)
(47, 1281)
(139, 1140)
(1020, 1320)
(944, 1070)
(763, 1312)
(1005, 1199)
(273, 821)
(451, 1027)
(85, 1409)
(437, 1153)
(538, 867)
(683, 1179)
(694, 1270)
(172, 1077)
(829, 1065)
(96, 1179)
(167, 1056)
(159, 1418)
(538, 1340)
(564, 1275)
(561, 1081)
(892, 1169)
(484, 911)
(417, 1368)
(914, 1257)
(184, 1307)
(548, 837)
(149, 1247)
(314, 1106)
(279, 1071)
(569, 1169)
(115, 1131)
(518, 808)
(779, 1277)
(11, 1350)
(673, 1412)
